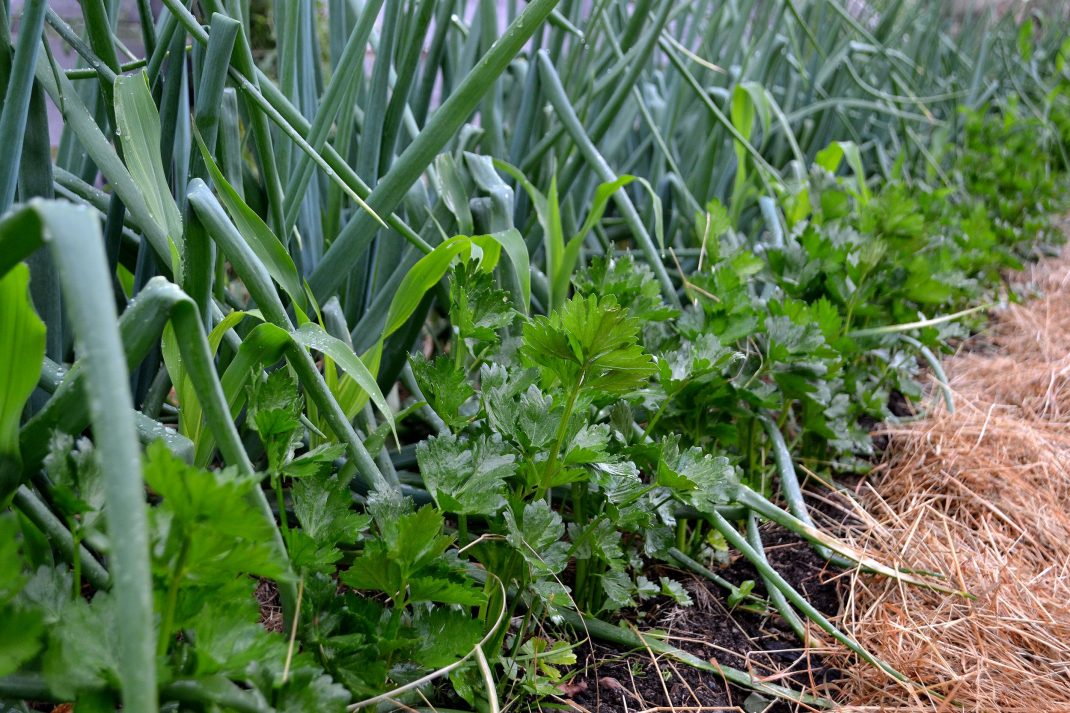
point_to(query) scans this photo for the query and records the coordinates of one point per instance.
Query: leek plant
(607, 254)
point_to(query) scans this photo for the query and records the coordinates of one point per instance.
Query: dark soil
(608, 679)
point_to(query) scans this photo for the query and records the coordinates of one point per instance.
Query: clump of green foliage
(459, 393)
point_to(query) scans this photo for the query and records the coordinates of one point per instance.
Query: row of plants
(450, 389)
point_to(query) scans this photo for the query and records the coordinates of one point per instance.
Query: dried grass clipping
(982, 497)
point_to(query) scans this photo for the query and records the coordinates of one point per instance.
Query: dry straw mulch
(981, 496)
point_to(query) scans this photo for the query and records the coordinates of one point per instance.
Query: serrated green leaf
(81, 651)
(538, 537)
(445, 387)
(632, 283)
(465, 477)
(675, 591)
(700, 479)
(444, 591)
(478, 310)
(446, 635)
(211, 516)
(21, 634)
(589, 345)
(324, 507)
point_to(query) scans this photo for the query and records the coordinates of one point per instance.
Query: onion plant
(434, 316)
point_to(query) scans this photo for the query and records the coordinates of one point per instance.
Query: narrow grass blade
(80, 120)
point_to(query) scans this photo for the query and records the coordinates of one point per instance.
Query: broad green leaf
(563, 274)
(22, 347)
(749, 100)
(313, 336)
(264, 345)
(548, 214)
(431, 268)
(138, 128)
(423, 276)
(513, 244)
(831, 156)
(655, 203)
(225, 325)
(554, 240)
(190, 423)
(602, 194)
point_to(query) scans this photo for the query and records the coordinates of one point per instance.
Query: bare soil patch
(611, 680)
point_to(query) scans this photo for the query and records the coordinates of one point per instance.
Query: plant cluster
(332, 398)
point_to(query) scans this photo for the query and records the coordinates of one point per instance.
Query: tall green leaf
(73, 234)
(22, 347)
(138, 128)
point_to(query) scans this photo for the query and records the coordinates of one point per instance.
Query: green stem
(781, 604)
(657, 416)
(752, 460)
(76, 557)
(462, 529)
(559, 442)
(692, 565)
(280, 497)
(164, 639)
(31, 686)
(458, 352)
(31, 507)
(578, 516)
